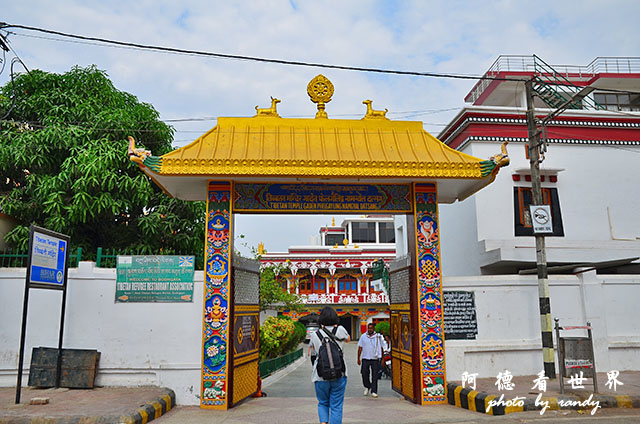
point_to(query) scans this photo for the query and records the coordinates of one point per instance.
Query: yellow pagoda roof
(267, 147)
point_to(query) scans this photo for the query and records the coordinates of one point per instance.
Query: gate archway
(268, 164)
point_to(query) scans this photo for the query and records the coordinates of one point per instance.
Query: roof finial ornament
(320, 90)
(137, 154)
(269, 111)
(374, 114)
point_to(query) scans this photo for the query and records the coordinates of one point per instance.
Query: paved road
(297, 383)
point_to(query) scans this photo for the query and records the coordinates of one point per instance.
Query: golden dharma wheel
(320, 89)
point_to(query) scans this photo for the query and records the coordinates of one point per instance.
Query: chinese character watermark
(503, 380)
(469, 378)
(612, 380)
(577, 382)
(540, 382)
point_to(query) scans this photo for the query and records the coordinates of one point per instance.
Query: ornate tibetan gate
(268, 164)
(245, 319)
(404, 380)
(417, 339)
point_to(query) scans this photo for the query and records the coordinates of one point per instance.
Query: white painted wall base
(159, 343)
(509, 324)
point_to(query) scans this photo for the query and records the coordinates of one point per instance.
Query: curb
(152, 410)
(479, 401)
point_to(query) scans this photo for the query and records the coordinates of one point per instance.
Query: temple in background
(337, 271)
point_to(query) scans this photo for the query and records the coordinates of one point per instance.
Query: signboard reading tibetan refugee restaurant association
(154, 279)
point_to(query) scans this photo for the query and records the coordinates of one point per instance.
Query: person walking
(370, 348)
(330, 393)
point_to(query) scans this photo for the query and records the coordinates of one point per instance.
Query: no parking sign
(541, 219)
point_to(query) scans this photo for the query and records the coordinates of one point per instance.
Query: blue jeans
(330, 396)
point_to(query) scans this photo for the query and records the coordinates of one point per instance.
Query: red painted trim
(575, 79)
(493, 85)
(615, 75)
(563, 131)
(342, 252)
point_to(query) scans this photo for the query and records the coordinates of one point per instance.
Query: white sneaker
(366, 392)
(374, 395)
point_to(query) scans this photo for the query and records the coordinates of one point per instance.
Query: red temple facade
(337, 271)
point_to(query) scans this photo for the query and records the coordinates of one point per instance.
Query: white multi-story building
(590, 172)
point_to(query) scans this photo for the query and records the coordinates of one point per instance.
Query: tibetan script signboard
(310, 197)
(154, 279)
(460, 321)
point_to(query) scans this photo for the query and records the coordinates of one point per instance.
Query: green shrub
(275, 335)
(300, 333)
(383, 327)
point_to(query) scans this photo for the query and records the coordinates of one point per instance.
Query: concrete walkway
(297, 381)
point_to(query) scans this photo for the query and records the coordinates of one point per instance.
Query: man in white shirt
(370, 349)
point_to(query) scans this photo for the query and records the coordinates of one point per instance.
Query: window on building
(305, 286)
(347, 285)
(522, 199)
(319, 286)
(618, 101)
(387, 232)
(363, 232)
(333, 239)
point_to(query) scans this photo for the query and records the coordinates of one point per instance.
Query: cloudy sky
(461, 37)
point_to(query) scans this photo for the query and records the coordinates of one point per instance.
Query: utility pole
(541, 256)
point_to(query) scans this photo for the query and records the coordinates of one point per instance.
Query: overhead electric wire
(4, 25)
(137, 46)
(99, 41)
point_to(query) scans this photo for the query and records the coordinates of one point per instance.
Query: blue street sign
(48, 254)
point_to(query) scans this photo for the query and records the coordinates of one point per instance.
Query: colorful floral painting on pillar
(432, 365)
(215, 324)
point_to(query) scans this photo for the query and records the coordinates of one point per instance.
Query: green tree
(383, 327)
(273, 296)
(64, 166)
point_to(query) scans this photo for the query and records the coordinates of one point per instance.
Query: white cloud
(462, 37)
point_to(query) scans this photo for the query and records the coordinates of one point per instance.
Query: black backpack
(330, 358)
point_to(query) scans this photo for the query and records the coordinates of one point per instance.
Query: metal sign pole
(62, 313)
(49, 270)
(23, 333)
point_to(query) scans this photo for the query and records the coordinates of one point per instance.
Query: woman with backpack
(329, 371)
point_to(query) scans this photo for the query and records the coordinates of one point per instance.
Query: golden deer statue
(374, 114)
(271, 111)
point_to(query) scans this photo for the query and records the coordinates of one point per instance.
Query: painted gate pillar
(215, 325)
(430, 334)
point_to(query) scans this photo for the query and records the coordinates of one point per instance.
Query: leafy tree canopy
(272, 295)
(64, 166)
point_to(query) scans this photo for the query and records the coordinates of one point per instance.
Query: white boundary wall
(159, 343)
(140, 343)
(509, 322)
